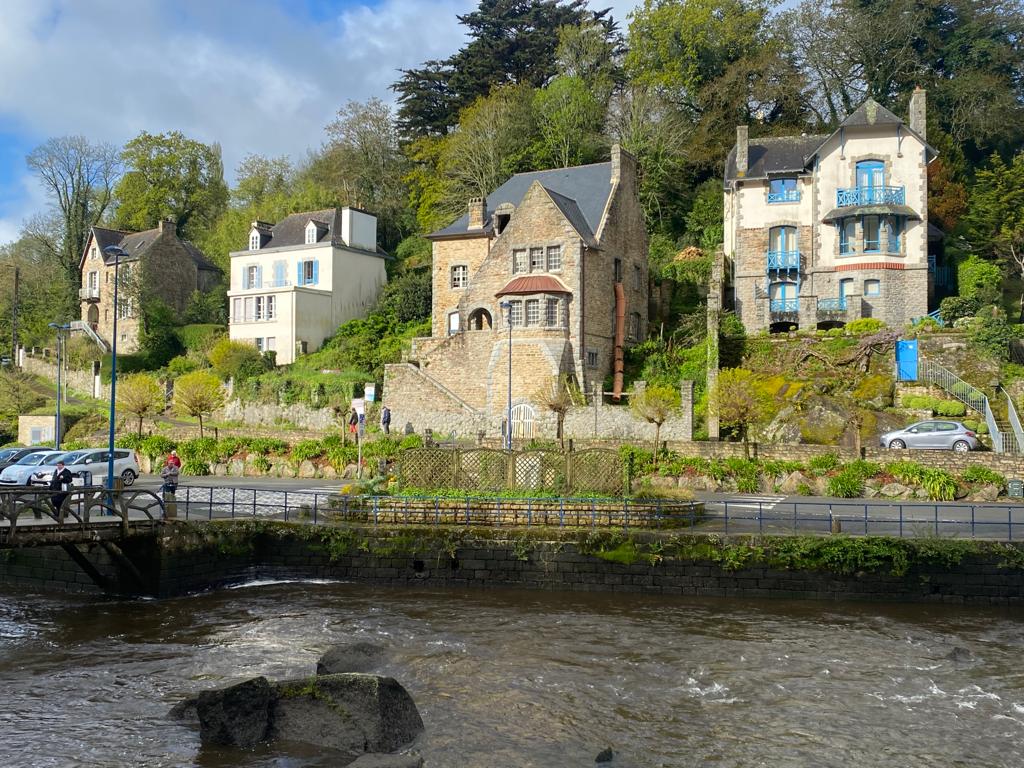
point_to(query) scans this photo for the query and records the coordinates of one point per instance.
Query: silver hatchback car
(943, 435)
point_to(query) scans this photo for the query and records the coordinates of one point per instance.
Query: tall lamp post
(507, 307)
(118, 254)
(60, 349)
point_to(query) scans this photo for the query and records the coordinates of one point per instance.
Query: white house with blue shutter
(301, 278)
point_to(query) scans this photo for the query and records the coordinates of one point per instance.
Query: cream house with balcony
(301, 278)
(825, 229)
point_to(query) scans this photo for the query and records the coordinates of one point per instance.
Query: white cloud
(27, 199)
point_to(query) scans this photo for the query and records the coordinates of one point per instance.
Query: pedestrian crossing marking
(755, 502)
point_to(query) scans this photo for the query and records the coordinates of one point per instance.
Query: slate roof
(135, 244)
(291, 230)
(873, 209)
(533, 284)
(774, 155)
(582, 193)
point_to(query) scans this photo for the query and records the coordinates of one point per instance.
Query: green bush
(953, 308)
(340, 456)
(979, 279)
(155, 447)
(236, 360)
(307, 450)
(411, 441)
(261, 463)
(990, 332)
(950, 408)
(200, 449)
(848, 484)
(125, 364)
(200, 337)
(823, 463)
(983, 475)
(919, 402)
(196, 467)
(132, 442)
(863, 469)
(180, 365)
(940, 485)
(267, 446)
(907, 472)
(228, 447)
(864, 325)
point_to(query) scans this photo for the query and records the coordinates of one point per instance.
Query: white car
(126, 466)
(20, 472)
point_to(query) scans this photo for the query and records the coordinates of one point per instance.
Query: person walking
(385, 420)
(353, 422)
(60, 482)
(170, 473)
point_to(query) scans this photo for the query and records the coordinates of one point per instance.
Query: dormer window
(254, 240)
(312, 233)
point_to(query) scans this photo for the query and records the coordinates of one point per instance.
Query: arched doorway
(480, 320)
(523, 422)
(93, 316)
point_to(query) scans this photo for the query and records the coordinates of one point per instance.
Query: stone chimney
(918, 112)
(477, 212)
(742, 150)
(623, 165)
(169, 226)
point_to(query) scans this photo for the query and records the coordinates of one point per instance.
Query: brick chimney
(169, 226)
(742, 150)
(918, 112)
(477, 212)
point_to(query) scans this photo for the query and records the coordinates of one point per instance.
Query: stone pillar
(918, 112)
(686, 406)
(808, 313)
(714, 324)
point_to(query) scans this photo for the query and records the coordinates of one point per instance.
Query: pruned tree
(141, 395)
(654, 404)
(741, 404)
(561, 395)
(198, 394)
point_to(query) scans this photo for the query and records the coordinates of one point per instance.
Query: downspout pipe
(620, 338)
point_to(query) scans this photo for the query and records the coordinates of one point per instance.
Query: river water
(507, 679)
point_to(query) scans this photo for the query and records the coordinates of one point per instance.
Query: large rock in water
(351, 713)
(355, 657)
(238, 715)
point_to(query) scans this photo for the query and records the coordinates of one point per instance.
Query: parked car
(948, 435)
(126, 466)
(11, 455)
(20, 472)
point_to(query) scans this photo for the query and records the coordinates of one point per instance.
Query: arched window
(523, 421)
(311, 233)
(870, 174)
(782, 239)
(254, 241)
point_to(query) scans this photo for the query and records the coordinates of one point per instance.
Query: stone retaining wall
(191, 557)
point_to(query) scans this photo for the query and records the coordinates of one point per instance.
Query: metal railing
(785, 196)
(263, 284)
(784, 306)
(1015, 425)
(870, 196)
(783, 259)
(971, 396)
(832, 305)
(89, 292)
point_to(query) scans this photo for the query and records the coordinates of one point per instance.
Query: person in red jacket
(173, 459)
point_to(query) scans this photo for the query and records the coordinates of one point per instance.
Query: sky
(257, 76)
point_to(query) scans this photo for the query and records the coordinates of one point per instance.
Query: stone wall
(193, 557)
(81, 382)
(265, 414)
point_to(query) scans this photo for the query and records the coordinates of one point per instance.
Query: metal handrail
(870, 196)
(784, 306)
(1018, 431)
(832, 305)
(783, 259)
(785, 196)
(969, 395)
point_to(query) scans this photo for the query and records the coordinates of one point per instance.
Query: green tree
(236, 360)
(79, 178)
(704, 224)
(198, 394)
(259, 178)
(570, 121)
(654, 404)
(141, 395)
(561, 395)
(170, 175)
(741, 403)
(43, 293)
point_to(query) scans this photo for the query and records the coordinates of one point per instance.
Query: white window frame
(271, 307)
(252, 273)
(554, 257)
(258, 343)
(459, 276)
(520, 261)
(536, 262)
(515, 314)
(533, 311)
(307, 272)
(876, 284)
(270, 342)
(254, 241)
(311, 233)
(259, 308)
(552, 312)
(236, 311)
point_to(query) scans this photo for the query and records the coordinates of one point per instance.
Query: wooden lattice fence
(594, 471)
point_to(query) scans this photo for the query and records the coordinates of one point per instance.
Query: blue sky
(259, 76)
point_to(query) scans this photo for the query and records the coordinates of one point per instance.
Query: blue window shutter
(299, 280)
(259, 277)
(316, 271)
(278, 273)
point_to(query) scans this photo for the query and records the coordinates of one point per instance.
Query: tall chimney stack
(742, 150)
(477, 212)
(919, 112)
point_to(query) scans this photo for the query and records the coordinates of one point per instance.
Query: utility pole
(14, 320)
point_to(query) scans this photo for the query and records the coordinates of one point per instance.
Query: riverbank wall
(191, 557)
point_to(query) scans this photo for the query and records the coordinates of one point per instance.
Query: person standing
(353, 422)
(170, 474)
(385, 420)
(60, 482)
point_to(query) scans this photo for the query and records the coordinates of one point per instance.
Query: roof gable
(136, 244)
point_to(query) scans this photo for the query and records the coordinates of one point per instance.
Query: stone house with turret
(824, 229)
(548, 274)
(159, 265)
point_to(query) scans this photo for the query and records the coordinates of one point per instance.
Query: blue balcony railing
(870, 196)
(783, 259)
(785, 196)
(784, 306)
(832, 305)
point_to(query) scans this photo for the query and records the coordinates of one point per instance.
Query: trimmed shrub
(125, 364)
(950, 408)
(180, 365)
(864, 325)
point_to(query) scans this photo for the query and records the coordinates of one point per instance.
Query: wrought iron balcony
(870, 196)
(784, 306)
(832, 305)
(783, 259)
(784, 196)
(89, 293)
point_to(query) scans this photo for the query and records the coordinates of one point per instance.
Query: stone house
(159, 265)
(548, 275)
(824, 229)
(301, 278)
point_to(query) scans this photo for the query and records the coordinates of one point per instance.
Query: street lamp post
(118, 254)
(507, 306)
(60, 349)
